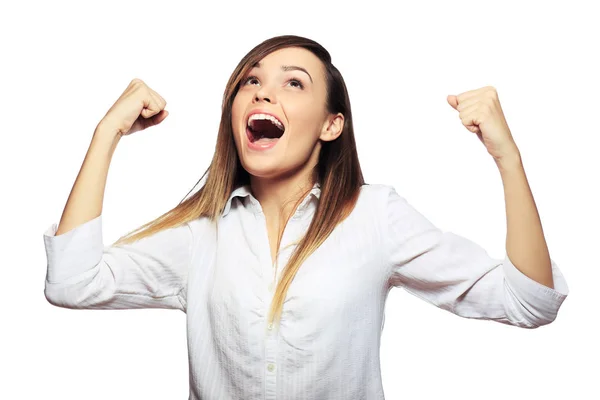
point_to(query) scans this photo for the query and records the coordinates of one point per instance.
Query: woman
(284, 258)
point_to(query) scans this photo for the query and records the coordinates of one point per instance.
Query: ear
(333, 127)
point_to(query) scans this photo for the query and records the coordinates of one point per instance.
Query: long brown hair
(338, 170)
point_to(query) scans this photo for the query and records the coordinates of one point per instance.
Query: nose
(262, 98)
(264, 94)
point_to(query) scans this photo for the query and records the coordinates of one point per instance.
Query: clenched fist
(138, 108)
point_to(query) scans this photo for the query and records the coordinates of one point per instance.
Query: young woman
(283, 259)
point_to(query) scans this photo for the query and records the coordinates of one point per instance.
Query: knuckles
(137, 81)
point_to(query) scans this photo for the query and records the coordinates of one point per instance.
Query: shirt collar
(245, 191)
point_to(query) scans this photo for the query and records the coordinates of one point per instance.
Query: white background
(65, 63)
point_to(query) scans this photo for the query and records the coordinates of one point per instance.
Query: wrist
(510, 158)
(106, 129)
(509, 163)
(106, 136)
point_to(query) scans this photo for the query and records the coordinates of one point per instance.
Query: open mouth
(264, 128)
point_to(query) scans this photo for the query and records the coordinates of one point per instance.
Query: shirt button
(271, 367)
(270, 327)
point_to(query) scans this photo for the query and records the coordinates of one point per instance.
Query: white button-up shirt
(327, 344)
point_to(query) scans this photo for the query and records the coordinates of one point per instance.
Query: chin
(263, 169)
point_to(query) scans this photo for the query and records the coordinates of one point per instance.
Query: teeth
(274, 120)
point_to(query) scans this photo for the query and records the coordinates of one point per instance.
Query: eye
(250, 79)
(296, 83)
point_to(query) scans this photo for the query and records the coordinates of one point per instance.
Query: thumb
(158, 118)
(453, 101)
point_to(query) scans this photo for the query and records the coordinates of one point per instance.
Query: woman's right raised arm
(138, 108)
(81, 271)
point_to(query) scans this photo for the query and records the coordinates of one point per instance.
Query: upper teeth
(266, 116)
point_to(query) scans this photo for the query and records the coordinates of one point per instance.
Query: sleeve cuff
(541, 301)
(74, 252)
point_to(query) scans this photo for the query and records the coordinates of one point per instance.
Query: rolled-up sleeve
(456, 274)
(82, 273)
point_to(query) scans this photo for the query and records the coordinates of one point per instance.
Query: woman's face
(289, 86)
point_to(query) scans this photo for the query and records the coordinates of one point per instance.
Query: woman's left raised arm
(481, 113)
(525, 288)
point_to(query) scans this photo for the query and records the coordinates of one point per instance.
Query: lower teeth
(265, 140)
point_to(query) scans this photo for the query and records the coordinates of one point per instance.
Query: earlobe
(333, 127)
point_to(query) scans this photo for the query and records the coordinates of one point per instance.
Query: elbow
(540, 321)
(531, 304)
(529, 316)
(58, 297)
(84, 293)
(531, 324)
(63, 296)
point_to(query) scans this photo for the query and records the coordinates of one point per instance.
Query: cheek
(237, 109)
(235, 114)
(306, 123)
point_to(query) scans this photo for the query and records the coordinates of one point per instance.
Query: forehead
(292, 56)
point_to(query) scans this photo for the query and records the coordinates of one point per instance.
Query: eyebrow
(288, 68)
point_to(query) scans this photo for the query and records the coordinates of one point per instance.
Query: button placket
(270, 364)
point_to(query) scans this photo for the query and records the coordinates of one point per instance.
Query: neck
(278, 196)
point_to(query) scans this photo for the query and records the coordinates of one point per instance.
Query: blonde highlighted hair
(338, 170)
